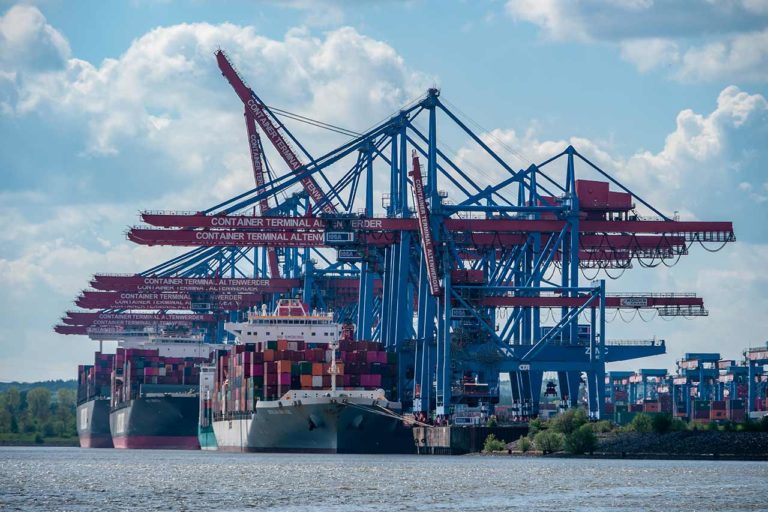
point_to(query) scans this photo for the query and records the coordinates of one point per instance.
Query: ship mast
(333, 370)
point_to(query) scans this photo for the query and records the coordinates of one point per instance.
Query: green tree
(534, 426)
(570, 420)
(39, 403)
(580, 441)
(661, 423)
(548, 441)
(524, 444)
(493, 445)
(641, 423)
(12, 400)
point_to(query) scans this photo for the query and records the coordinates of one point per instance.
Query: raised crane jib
(272, 131)
(254, 144)
(422, 213)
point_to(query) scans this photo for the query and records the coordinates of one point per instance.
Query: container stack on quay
(705, 388)
(93, 381)
(268, 370)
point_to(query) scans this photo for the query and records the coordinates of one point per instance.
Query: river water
(78, 479)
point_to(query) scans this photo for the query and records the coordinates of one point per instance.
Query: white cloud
(163, 107)
(698, 40)
(744, 55)
(29, 42)
(166, 95)
(648, 54)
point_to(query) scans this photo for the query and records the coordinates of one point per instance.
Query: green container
(258, 381)
(272, 345)
(295, 369)
(391, 358)
(702, 405)
(305, 367)
(624, 417)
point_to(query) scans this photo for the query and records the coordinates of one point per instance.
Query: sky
(107, 108)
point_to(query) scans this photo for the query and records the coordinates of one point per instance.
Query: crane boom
(254, 144)
(427, 242)
(254, 105)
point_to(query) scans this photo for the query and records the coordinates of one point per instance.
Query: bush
(661, 423)
(581, 440)
(491, 422)
(548, 441)
(641, 423)
(600, 427)
(570, 420)
(524, 444)
(493, 445)
(712, 426)
(678, 425)
(535, 426)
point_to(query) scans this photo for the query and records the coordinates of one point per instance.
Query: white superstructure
(173, 345)
(290, 321)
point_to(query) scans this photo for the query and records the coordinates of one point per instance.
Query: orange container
(284, 366)
(317, 368)
(306, 381)
(269, 355)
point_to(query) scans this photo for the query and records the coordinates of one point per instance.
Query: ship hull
(156, 423)
(207, 438)
(93, 424)
(324, 427)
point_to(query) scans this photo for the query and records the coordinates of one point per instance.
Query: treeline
(574, 433)
(37, 414)
(51, 385)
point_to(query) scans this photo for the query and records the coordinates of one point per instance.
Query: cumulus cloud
(29, 42)
(154, 127)
(166, 96)
(700, 40)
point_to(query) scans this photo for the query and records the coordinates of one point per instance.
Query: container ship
(283, 388)
(93, 402)
(155, 393)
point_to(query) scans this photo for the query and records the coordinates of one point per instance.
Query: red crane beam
(254, 144)
(425, 230)
(89, 318)
(192, 284)
(166, 301)
(272, 131)
(639, 301)
(610, 243)
(695, 230)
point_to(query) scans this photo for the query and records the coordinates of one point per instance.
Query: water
(77, 479)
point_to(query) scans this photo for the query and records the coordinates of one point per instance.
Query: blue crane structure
(460, 286)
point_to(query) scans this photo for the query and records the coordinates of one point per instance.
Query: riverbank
(685, 445)
(33, 440)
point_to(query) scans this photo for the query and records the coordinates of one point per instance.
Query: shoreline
(634, 456)
(74, 443)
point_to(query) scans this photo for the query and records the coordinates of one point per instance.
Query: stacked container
(93, 381)
(134, 367)
(268, 370)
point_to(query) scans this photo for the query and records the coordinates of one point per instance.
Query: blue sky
(107, 108)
